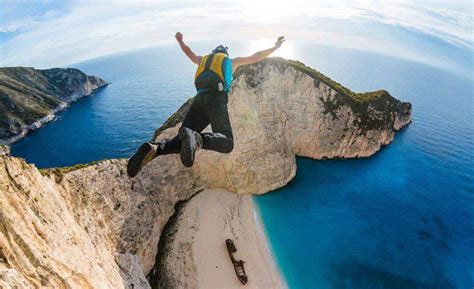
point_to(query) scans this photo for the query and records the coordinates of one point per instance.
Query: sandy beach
(197, 250)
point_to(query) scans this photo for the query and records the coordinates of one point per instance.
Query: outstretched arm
(258, 56)
(189, 53)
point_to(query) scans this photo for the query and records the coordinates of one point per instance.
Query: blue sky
(47, 33)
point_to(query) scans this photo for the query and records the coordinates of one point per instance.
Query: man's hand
(179, 36)
(280, 41)
(189, 53)
(257, 56)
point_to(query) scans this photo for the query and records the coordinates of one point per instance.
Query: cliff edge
(280, 109)
(90, 226)
(30, 97)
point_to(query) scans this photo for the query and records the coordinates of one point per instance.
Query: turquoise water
(401, 219)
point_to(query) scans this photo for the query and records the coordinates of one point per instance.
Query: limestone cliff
(93, 227)
(30, 97)
(82, 227)
(279, 109)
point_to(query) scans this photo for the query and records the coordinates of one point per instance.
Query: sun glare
(287, 50)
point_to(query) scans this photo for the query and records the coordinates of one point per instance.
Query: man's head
(221, 49)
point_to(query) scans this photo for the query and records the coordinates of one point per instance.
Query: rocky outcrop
(93, 227)
(41, 243)
(30, 97)
(280, 109)
(82, 227)
(4, 150)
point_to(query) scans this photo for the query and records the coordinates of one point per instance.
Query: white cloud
(18, 25)
(452, 26)
(51, 14)
(91, 29)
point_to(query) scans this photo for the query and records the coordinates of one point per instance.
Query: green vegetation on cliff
(360, 103)
(59, 172)
(64, 170)
(372, 110)
(316, 75)
(28, 95)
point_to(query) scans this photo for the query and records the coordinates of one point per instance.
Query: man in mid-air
(213, 81)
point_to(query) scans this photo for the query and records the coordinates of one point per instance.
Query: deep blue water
(400, 219)
(146, 87)
(403, 218)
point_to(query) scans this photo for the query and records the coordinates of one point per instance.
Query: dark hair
(221, 49)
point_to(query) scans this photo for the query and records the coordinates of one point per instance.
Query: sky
(49, 33)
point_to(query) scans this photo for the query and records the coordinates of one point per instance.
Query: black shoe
(191, 141)
(144, 154)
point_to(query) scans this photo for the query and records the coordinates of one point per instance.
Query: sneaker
(144, 154)
(191, 141)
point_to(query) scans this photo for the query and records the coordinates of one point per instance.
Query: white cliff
(280, 109)
(93, 227)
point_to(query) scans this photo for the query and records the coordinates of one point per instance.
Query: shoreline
(196, 255)
(48, 118)
(265, 243)
(36, 125)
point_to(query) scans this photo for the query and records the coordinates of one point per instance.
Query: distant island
(30, 97)
(91, 226)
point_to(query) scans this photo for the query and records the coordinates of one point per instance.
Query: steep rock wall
(30, 97)
(93, 227)
(279, 109)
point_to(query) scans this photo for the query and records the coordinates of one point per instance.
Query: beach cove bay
(402, 218)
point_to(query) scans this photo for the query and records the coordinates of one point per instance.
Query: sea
(403, 218)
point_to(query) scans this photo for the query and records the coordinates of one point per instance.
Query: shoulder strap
(209, 61)
(202, 66)
(216, 65)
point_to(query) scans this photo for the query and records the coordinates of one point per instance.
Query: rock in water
(92, 226)
(30, 97)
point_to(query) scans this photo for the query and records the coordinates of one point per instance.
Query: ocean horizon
(403, 218)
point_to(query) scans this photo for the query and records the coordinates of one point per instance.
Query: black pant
(208, 107)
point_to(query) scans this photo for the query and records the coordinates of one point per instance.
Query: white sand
(207, 221)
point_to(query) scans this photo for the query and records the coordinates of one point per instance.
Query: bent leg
(221, 139)
(196, 119)
(172, 146)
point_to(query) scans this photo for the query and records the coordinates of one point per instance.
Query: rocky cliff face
(82, 227)
(93, 227)
(279, 109)
(30, 97)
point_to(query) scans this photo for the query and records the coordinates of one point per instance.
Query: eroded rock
(279, 109)
(76, 227)
(31, 97)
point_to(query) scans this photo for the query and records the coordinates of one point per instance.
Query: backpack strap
(209, 61)
(202, 66)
